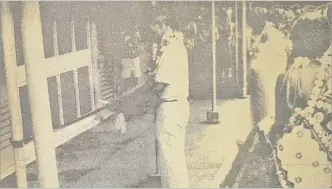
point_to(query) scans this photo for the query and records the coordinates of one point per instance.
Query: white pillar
(244, 49)
(8, 38)
(154, 51)
(237, 42)
(213, 115)
(214, 96)
(35, 70)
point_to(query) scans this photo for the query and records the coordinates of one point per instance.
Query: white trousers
(131, 67)
(171, 121)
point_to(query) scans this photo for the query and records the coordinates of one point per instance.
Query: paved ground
(102, 158)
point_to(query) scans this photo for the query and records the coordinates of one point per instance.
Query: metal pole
(13, 94)
(244, 48)
(156, 143)
(214, 96)
(236, 43)
(213, 115)
(157, 173)
(35, 70)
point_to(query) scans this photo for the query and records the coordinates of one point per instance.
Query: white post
(35, 70)
(214, 96)
(58, 79)
(13, 94)
(213, 116)
(244, 49)
(91, 85)
(236, 42)
(94, 68)
(75, 72)
(154, 51)
(95, 65)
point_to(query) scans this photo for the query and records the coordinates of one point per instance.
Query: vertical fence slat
(55, 39)
(73, 40)
(95, 61)
(92, 96)
(58, 81)
(77, 93)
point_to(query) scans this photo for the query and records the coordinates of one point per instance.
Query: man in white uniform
(168, 89)
(172, 115)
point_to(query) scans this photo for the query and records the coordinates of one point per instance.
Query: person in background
(130, 62)
(130, 67)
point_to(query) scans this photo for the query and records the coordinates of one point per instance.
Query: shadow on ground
(254, 166)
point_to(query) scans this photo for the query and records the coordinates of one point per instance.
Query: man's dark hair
(170, 13)
(175, 22)
(257, 20)
(310, 36)
(275, 17)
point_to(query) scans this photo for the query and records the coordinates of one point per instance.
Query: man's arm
(158, 88)
(144, 95)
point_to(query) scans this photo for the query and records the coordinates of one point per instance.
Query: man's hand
(115, 106)
(158, 88)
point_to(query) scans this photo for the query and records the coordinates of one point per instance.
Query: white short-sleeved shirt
(173, 70)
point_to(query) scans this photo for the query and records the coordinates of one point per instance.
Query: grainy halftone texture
(258, 169)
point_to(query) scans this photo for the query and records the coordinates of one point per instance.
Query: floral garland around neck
(319, 108)
(169, 38)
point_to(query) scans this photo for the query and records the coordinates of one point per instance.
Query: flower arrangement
(318, 113)
(316, 116)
